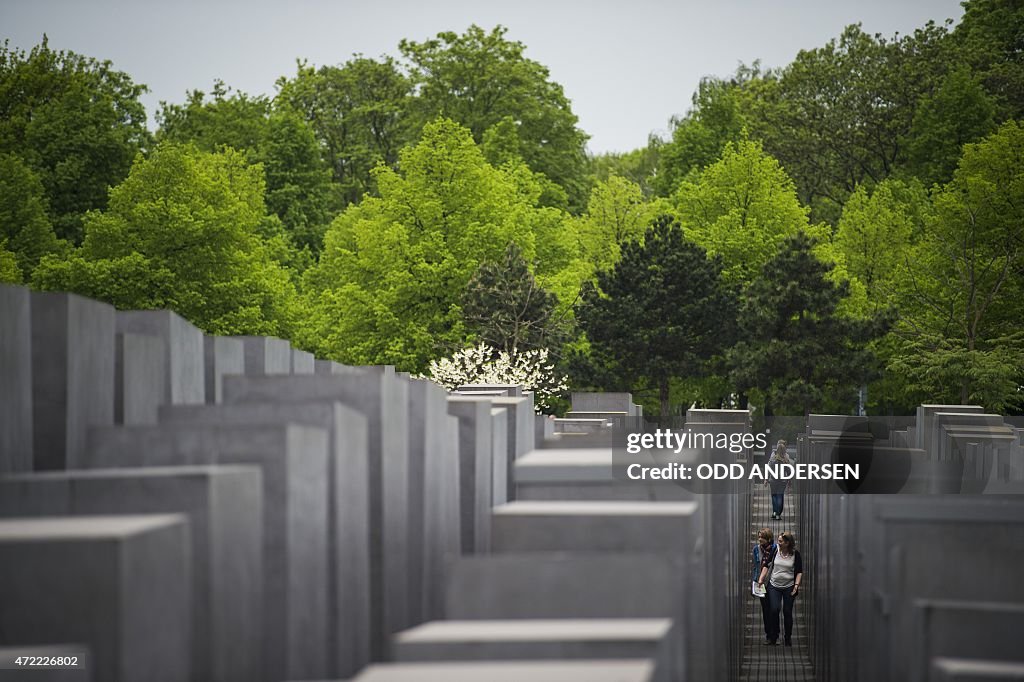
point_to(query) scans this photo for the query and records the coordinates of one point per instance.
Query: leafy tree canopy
(75, 121)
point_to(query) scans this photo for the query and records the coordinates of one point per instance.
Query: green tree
(795, 348)
(181, 232)
(76, 122)
(715, 118)
(359, 113)
(660, 313)
(640, 166)
(839, 116)
(394, 267)
(24, 225)
(478, 78)
(299, 190)
(505, 307)
(616, 213)
(741, 208)
(958, 112)
(988, 38)
(962, 294)
(9, 271)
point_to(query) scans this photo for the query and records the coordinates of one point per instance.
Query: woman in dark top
(784, 571)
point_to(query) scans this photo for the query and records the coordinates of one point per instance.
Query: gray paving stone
(120, 585)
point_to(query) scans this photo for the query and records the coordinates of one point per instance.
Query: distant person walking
(765, 547)
(783, 572)
(779, 484)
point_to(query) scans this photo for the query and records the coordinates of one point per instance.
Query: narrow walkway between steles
(774, 663)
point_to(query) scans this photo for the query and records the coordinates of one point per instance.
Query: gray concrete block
(499, 455)
(604, 416)
(223, 355)
(72, 375)
(183, 343)
(348, 509)
(973, 670)
(15, 379)
(383, 400)
(294, 461)
(964, 629)
(563, 585)
(524, 640)
(520, 434)
(79, 669)
(602, 402)
(620, 528)
(475, 470)
(535, 671)
(509, 390)
(140, 378)
(327, 367)
(923, 431)
(120, 585)
(587, 426)
(266, 355)
(941, 421)
(223, 504)
(302, 362)
(433, 498)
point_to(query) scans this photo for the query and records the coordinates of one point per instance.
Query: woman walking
(764, 548)
(784, 572)
(779, 484)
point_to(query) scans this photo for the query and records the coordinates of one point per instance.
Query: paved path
(774, 663)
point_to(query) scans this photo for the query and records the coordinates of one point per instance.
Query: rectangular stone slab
(15, 379)
(475, 469)
(121, 585)
(433, 497)
(965, 629)
(266, 355)
(302, 362)
(383, 400)
(294, 462)
(348, 509)
(183, 345)
(922, 424)
(520, 433)
(140, 377)
(511, 390)
(582, 474)
(974, 670)
(223, 355)
(621, 528)
(512, 671)
(223, 505)
(72, 375)
(553, 639)
(499, 455)
(602, 402)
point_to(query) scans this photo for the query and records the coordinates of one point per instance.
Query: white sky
(627, 66)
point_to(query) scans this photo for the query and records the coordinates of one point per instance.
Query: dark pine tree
(793, 345)
(661, 312)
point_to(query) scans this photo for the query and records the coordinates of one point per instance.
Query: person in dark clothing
(784, 572)
(764, 547)
(779, 485)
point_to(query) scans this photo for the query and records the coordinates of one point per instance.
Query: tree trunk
(666, 407)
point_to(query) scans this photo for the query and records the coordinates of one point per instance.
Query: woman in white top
(784, 571)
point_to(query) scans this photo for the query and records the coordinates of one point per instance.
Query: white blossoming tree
(485, 365)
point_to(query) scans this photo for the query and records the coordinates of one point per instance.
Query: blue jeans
(777, 500)
(780, 600)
